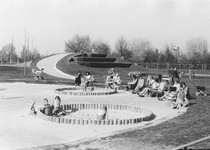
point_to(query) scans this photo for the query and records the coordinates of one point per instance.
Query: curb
(80, 106)
(90, 91)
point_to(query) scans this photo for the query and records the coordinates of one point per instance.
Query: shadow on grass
(192, 97)
(190, 104)
(196, 149)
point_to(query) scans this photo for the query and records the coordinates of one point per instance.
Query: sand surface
(20, 130)
(111, 114)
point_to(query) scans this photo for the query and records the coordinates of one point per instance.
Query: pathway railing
(191, 143)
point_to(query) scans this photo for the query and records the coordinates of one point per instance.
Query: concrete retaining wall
(149, 115)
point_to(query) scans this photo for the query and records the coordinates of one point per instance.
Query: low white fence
(179, 66)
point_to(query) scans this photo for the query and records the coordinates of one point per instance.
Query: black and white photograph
(104, 75)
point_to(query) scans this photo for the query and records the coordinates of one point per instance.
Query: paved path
(49, 65)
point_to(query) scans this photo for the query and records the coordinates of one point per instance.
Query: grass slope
(192, 125)
(72, 68)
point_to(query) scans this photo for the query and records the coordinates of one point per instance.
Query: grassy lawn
(72, 68)
(192, 125)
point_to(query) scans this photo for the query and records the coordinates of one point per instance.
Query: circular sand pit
(85, 114)
(90, 91)
(90, 114)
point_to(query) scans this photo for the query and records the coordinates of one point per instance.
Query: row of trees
(84, 44)
(8, 54)
(142, 50)
(136, 51)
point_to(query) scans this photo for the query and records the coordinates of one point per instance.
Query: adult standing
(78, 78)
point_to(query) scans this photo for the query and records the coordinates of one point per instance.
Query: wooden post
(24, 54)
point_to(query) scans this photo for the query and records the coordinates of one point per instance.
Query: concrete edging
(149, 115)
(90, 91)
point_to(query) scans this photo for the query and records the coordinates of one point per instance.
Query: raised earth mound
(98, 61)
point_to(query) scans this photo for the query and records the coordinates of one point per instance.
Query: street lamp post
(24, 55)
(176, 49)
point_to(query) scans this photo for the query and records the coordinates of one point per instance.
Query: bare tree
(142, 49)
(169, 54)
(101, 47)
(79, 44)
(122, 48)
(30, 55)
(8, 54)
(197, 50)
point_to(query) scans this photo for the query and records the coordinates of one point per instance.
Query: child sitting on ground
(47, 109)
(56, 105)
(182, 98)
(102, 114)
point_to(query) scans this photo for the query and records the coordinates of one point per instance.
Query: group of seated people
(54, 109)
(113, 80)
(84, 81)
(137, 84)
(171, 89)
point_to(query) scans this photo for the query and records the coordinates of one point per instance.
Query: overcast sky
(52, 22)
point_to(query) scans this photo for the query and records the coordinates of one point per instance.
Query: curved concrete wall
(149, 115)
(77, 91)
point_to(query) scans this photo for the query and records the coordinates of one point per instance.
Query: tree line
(136, 51)
(142, 51)
(8, 54)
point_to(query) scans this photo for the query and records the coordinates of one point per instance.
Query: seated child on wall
(102, 114)
(56, 105)
(47, 109)
(116, 82)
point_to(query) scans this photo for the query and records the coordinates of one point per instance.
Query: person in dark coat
(78, 78)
